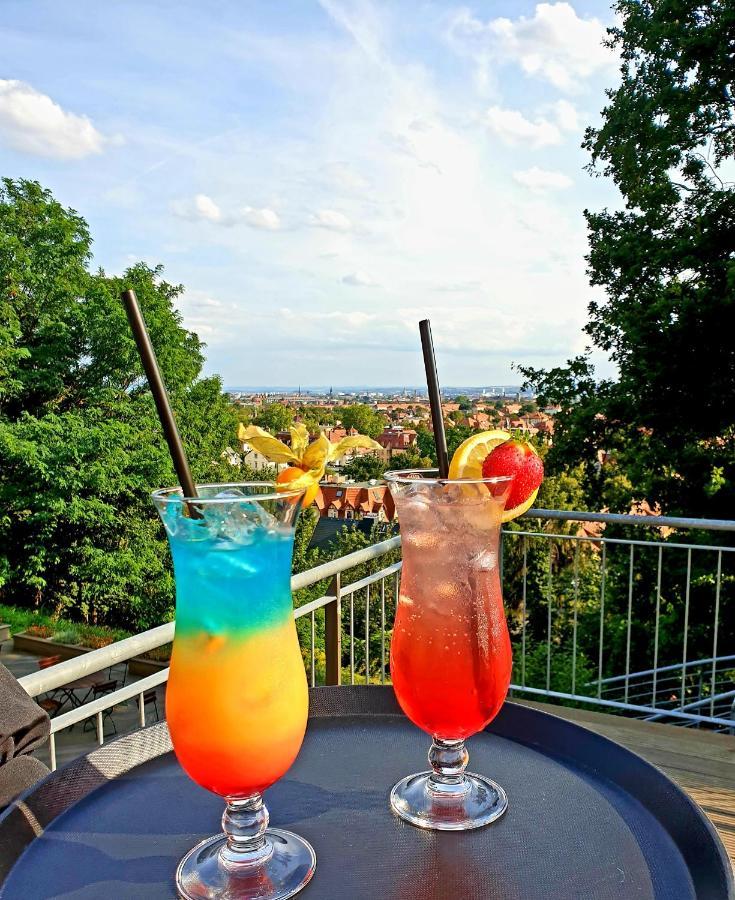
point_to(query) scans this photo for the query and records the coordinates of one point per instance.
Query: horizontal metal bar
(107, 701)
(643, 688)
(320, 602)
(88, 663)
(672, 668)
(596, 701)
(371, 579)
(564, 515)
(697, 703)
(666, 545)
(329, 569)
(313, 605)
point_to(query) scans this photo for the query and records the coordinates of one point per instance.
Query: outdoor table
(89, 682)
(587, 818)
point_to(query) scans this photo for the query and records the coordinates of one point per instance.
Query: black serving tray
(587, 818)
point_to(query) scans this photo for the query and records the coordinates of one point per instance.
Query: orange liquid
(237, 706)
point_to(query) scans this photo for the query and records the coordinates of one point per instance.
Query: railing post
(333, 634)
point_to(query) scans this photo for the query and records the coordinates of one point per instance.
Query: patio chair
(149, 697)
(51, 706)
(125, 671)
(99, 690)
(48, 661)
(50, 697)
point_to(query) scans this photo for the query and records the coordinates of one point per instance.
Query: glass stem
(448, 760)
(244, 823)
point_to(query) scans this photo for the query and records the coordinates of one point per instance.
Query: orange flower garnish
(308, 461)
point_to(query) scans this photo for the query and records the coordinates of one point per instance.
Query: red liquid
(451, 656)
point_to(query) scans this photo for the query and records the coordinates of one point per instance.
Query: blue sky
(321, 175)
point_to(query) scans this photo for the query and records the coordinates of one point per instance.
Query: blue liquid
(224, 586)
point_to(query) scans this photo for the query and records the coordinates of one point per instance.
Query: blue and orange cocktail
(237, 700)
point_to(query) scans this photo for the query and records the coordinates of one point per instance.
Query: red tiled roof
(367, 498)
(397, 438)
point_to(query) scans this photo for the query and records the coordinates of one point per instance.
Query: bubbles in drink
(422, 540)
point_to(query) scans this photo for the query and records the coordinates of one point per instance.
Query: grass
(22, 619)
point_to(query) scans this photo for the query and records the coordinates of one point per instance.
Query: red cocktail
(450, 653)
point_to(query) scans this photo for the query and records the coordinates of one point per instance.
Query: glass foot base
(201, 875)
(476, 801)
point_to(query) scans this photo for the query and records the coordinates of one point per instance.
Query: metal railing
(357, 650)
(680, 688)
(94, 661)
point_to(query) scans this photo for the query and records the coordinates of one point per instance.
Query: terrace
(579, 599)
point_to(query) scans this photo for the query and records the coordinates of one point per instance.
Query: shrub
(66, 636)
(41, 631)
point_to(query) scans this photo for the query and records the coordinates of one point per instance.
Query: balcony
(593, 601)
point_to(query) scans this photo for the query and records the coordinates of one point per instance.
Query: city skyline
(322, 177)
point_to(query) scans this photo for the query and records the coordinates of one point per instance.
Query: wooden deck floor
(700, 762)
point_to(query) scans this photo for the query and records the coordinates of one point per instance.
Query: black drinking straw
(435, 399)
(160, 396)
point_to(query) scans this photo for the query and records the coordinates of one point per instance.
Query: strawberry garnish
(519, 459)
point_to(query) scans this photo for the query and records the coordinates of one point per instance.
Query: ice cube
(484, 561)
(480, 514)
(238, 526)
(240, 520)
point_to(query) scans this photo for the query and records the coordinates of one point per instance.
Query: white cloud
(555, 44)
(32, 123)
(444, 230)
(206, 208)
(566, 115)
(537, 179)
(344, 320)
(512, 127)
(264, 218)
(210, 301)
(198, 207)
(331, 219)
(359, 279)
(459, 330)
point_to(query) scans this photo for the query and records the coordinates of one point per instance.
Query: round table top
(587, 818)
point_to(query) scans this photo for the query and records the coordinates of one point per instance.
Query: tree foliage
(363, 418)
(365, 467)
(666, 262)
(410, 458)
(80, 444)
(274, 417)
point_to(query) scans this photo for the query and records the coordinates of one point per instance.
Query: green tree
(425, 443)
(455, 436)
(80, 444)
(363, 418)
(666, 262)
(663, 428)
(274, 417)
(409, 459)
(465, 403)
(315, 418)
(365, 467)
